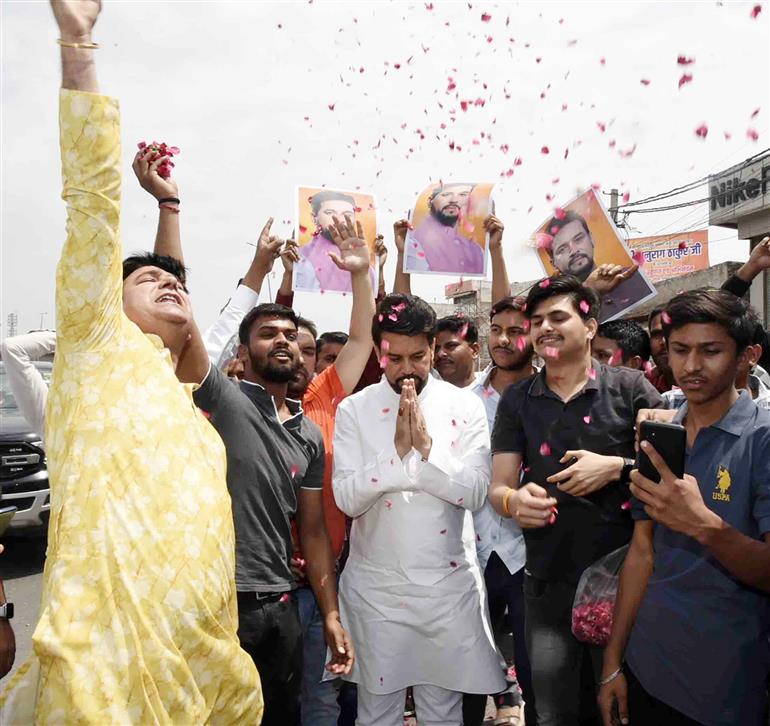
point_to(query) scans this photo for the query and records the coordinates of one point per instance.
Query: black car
(23, 472)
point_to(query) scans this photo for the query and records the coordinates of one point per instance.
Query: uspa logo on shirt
(720, 492)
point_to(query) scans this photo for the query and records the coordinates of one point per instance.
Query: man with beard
(572, 253)
(316, 269)
(138, 614)
(438, 244)
(275, 465)
(660, 375)
(411, 462)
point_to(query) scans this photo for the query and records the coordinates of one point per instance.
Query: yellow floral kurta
(139, 618)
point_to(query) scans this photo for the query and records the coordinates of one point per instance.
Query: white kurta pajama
(412, 593)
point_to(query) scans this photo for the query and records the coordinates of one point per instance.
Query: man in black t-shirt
(275, 465)
(570, 430)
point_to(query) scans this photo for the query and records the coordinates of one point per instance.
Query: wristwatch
(6, 611)
(628, 465)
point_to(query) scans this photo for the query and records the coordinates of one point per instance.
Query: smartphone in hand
(670, 441)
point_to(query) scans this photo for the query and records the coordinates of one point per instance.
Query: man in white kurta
(412, 593)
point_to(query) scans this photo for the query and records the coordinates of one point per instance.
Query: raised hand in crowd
(349, 238)
(76, 20)
(382, 257)
(168, 239)
(501, 285)
(759, 260)
(605, 278)
(402, 282)
(289, 257)
(267, 252)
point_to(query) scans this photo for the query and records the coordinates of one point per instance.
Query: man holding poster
(581, 240)
(317, 269)
(446, 237)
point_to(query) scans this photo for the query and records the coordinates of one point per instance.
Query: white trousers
(435, 707)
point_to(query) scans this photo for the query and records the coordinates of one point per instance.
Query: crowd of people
(258, 523)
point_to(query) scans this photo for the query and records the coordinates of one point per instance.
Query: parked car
(23, 472)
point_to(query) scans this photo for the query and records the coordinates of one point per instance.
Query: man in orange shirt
(319, 402)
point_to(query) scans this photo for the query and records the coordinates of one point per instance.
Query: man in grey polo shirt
(275, 464)
(692, 614)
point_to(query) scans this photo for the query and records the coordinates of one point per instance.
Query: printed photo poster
(578, 238)
(316, 209)
(447, 235)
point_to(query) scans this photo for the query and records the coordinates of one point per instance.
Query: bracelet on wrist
(611, 677)
(81, 46)
(506, 511)
(170, 208)
(168, 200)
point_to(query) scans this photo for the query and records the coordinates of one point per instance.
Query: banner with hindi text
(673, 255)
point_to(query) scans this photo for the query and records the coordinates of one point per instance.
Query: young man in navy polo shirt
(692, 615)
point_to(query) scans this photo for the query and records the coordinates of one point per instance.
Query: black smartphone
(670, 441)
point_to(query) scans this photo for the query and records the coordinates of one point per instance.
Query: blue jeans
(319, 698)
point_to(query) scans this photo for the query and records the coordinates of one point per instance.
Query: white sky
(231, 82)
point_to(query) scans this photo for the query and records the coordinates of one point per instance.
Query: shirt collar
(538, 387)
(736, 419)
(265, 401)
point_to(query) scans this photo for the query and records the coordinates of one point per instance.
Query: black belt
(260, 597)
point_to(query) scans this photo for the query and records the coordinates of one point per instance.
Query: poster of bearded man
(447, 235)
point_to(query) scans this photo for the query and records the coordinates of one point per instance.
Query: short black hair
(266, 310)
(556, 223)
(657, 310)
(461, 324)
(329, 195)
(516, 304)
(759, 337)
(403, 315)
(149, 259)
(309, 324)
(584, 299)
(632, 338)
(333, 336)
(705, 306)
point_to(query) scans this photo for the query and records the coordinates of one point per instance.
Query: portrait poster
(316, 209)
(581, 236)
(672, 255)
(447, 235)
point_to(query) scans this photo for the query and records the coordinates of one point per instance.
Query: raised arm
(357, 482)
(289, 256)
(382, 257)
(354, 257)
(207, 348)
(25, 381)
(89, 303)
(501, 285)
(168, 241)
(759, 260)
(402, 282)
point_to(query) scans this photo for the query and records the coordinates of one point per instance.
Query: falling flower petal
(644, 81)
(626, 505)
(756, 10)
(665, 318)
(485, 17)
(584, 306)
(587, 419)
(443, 531)
(682, 245)
(752, 134)
(545, 449)
(684, 60)
(544, 150)
(686, 78)
(559, 213)
(638, 257)
(388, 503)
(702, 131)
(452, 563)
(591, 373)
(545, 282)
(386, 410)
(294, 470)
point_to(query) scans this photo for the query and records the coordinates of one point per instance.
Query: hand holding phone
(670, 441)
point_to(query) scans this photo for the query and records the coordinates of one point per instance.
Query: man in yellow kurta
(138, 620)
